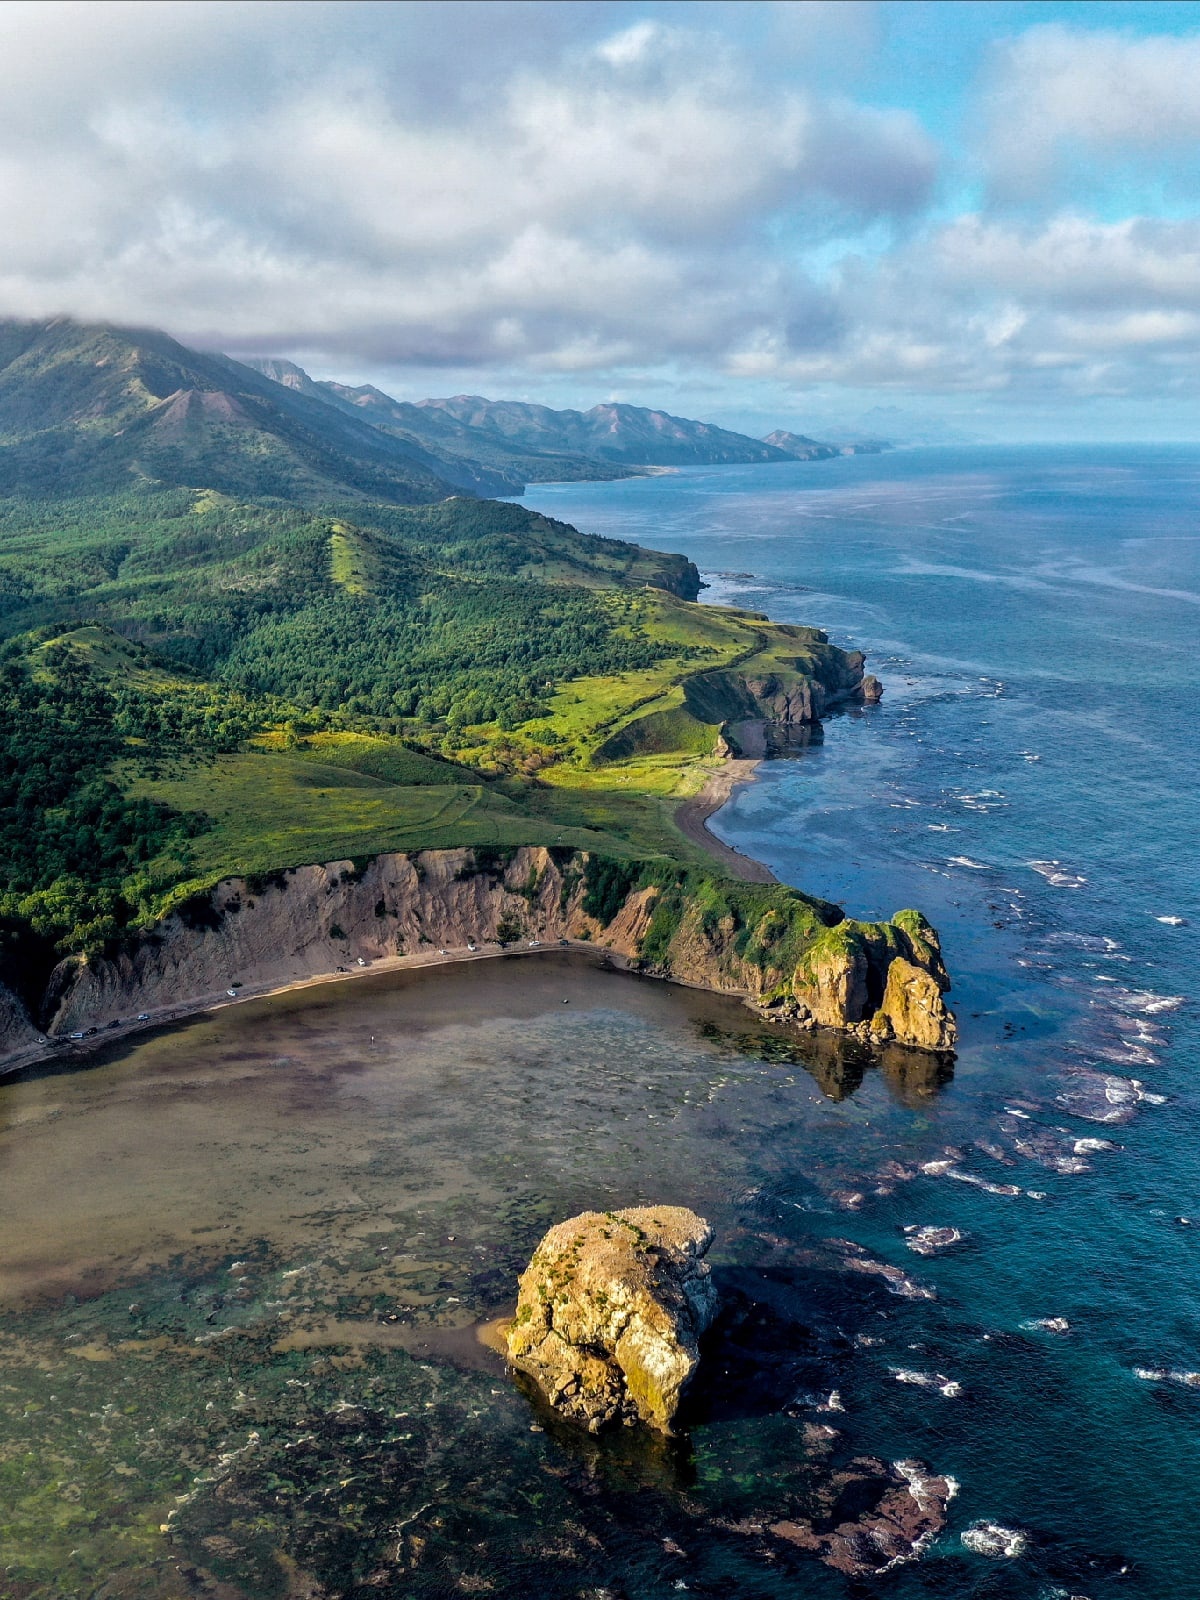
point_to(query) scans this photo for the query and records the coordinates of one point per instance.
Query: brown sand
(692, 816)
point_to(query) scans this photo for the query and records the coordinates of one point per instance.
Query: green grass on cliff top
(272, 809)
(343, 794)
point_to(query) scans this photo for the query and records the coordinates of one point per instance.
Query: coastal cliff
(790, 956)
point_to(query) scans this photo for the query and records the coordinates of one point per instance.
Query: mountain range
(95, 409)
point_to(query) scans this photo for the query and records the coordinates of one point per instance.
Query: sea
(244, 1261)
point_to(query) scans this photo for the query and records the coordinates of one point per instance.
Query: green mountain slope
(100, 408)
(460, 448)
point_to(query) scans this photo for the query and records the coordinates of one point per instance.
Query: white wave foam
(1130, 1055)
(1046, 1325)
(1173, 922)
(1055, 873)
(1189, 1380)
(930, 1240)
(948, 1388)
(1100, 943)
(982, 1183)
(1144, 1002)
(992, 1539)
(965, 861)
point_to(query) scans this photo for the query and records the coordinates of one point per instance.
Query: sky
(980, 216)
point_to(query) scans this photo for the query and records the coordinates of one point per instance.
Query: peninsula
(281, 700)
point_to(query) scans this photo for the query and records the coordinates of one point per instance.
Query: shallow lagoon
(221, 1357)
(332, 1188)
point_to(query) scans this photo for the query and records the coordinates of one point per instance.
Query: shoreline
(691, 817)
(78, 1051)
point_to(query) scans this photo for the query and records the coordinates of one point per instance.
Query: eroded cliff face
(792, 692)
(17, 1031)
(881, 981)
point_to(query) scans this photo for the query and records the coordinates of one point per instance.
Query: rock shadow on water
(839, 1066)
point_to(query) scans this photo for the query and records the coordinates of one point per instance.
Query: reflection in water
(248, 1257)
(838, 1065)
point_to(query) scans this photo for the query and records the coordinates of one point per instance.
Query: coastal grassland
(196, 686)
(267, 810)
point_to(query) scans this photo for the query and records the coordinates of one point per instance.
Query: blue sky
(767, 214)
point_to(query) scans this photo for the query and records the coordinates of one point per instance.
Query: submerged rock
(930, 1240)
(610, 1314)
(991, 1539)
(878, 1516)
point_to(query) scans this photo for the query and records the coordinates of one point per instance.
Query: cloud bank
(590, 194)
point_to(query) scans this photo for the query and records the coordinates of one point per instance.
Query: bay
(243, 1259)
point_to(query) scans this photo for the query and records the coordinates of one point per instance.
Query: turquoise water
(1030, 780)
(243, 1260)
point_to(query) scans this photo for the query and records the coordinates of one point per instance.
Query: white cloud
(992, 306)
(1062, 99)
(593, 189)
(261, 174)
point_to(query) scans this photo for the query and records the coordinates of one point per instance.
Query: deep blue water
(1030, 781)
(243, 1258)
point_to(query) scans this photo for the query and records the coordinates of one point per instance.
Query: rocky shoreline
(878, 981)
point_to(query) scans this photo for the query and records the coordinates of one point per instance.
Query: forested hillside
(197, 679)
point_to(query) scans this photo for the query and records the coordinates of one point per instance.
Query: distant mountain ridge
(801, 448)
(95, 408)
(613, 432)
(460, 447)
(537, 442)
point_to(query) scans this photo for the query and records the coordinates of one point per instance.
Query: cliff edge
(788, 955)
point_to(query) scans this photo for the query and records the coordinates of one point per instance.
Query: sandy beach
(65, 1050)
(692, 816)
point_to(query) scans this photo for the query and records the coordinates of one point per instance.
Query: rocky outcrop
(610, 1314)
(795, 958)
(17, 1031)
(876, 1516)
(790, 691)
(882, 980)
(912, 1008)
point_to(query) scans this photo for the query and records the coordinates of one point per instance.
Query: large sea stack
(610, 1314)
